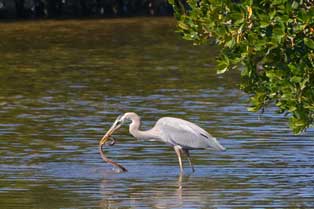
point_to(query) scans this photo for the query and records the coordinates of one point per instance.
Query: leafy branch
(269, 42)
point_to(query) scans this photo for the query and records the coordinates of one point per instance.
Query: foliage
(270, 42)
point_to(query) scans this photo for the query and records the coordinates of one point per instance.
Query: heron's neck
(134, 129)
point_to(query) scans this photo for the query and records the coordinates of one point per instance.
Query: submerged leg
(178, 152)
(189, 159)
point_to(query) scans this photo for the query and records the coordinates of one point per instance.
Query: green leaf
(295, 5)
(230, 43)
(252, 109)
(222, 70)
(223, 65)
(309, 42)
(296, 79)
(183, 26)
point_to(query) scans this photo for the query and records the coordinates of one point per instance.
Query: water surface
(64, 82)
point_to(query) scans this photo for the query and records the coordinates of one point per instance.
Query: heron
(182, 135)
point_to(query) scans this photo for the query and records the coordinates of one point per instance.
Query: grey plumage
(176, 131)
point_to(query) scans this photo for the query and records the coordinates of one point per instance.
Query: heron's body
(181, 134)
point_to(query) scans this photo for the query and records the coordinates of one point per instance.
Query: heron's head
(115, 126)
(121, 119)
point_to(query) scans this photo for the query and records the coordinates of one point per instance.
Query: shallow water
(64, 82)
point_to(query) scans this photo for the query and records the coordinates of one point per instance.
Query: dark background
(37, 9)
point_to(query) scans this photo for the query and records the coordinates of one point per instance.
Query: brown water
(64, 82)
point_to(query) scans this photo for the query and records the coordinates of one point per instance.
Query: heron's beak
(115, 126)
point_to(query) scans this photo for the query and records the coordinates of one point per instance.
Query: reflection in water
(64, 82)
(171, 192)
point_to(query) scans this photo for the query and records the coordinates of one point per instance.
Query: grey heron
(182, 135)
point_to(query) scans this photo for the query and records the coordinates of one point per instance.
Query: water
(64, 82)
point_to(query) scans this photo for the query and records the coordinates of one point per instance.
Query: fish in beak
(115, 126)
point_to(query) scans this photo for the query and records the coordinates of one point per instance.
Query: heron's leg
(178, 152)
(186, 151)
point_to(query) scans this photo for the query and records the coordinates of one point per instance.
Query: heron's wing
(186, 134)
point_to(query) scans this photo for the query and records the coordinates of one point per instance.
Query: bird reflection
(157, 193)
(182, 179)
